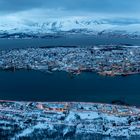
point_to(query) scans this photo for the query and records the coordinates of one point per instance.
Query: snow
(87, 25)
(116, 119)
(75, 121)
(71, 116)
(28, 131)
(88, 115)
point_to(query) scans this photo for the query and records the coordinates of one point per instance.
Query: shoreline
(106, 60)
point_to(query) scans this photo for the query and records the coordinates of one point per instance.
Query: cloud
(71, 7)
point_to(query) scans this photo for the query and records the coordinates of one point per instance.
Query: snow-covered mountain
(29, 28)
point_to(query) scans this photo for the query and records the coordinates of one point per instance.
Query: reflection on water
(60, 86)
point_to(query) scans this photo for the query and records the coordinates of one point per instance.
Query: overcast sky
(61, 8)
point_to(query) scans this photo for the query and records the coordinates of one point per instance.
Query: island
(111, 60)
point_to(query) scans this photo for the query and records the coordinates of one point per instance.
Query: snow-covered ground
(41, 120)
(124, 27)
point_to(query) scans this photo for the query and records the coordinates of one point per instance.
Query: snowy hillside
(71, 121)
(28, 28)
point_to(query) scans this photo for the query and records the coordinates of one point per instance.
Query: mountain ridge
(71, 26)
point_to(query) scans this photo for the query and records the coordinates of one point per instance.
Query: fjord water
(61, 86)
(73, 40)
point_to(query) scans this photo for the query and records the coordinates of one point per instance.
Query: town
(25, 120)
(108, 60)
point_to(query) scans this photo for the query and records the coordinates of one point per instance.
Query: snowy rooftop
(67, 119)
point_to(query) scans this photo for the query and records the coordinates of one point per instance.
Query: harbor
(110, 60)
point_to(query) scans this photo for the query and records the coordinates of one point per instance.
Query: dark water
(81, 40)
(60, 86)
(31, 85)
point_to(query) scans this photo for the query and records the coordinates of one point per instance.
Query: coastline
(110, 60)
(70, 119)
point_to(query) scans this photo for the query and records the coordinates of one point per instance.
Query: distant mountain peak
(73, 25)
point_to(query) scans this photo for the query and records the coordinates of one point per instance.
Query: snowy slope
(79, 25)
